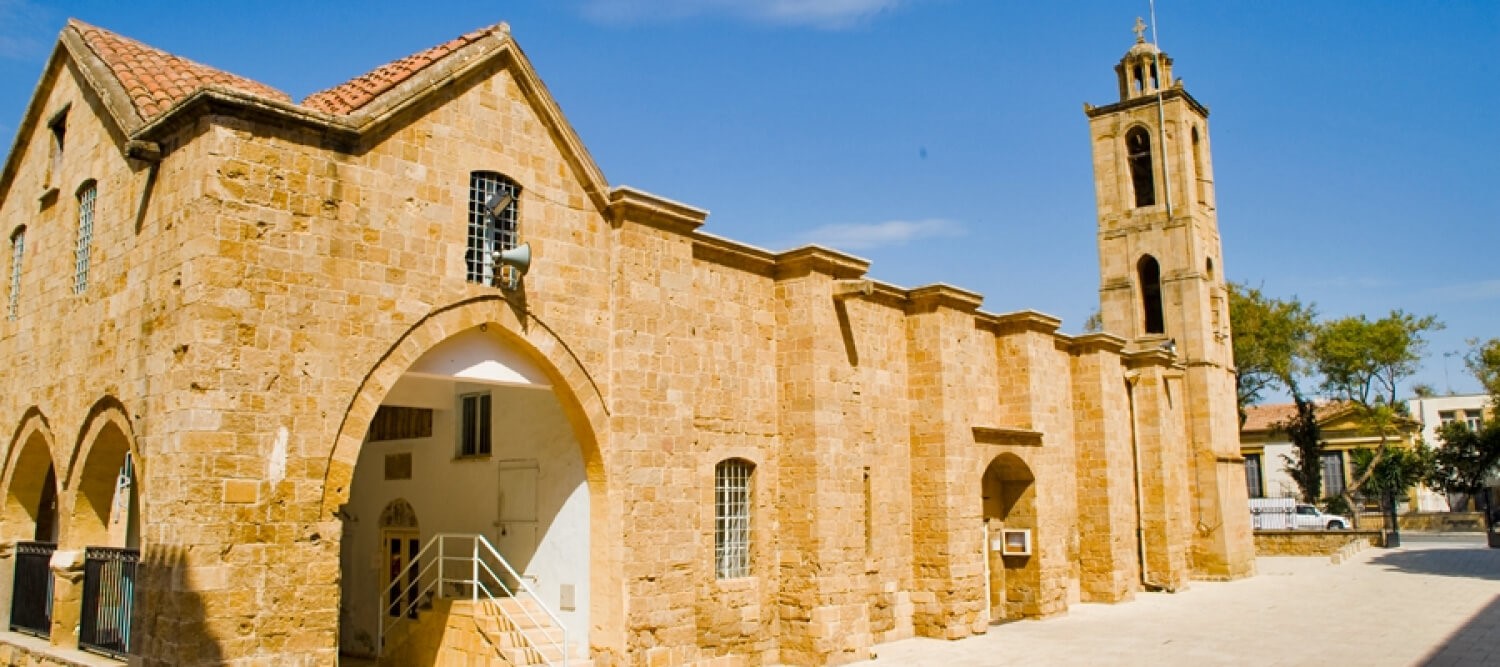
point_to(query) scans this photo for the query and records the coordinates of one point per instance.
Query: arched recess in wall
(582, 402)
(568, 383)
(1009, 505)
(31, 490)
(1138, 155)
(103, 498)
(1149, 273)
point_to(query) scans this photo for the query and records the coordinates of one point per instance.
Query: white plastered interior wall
(463, 495)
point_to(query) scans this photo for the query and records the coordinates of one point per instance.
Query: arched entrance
(30, 522)
(105, 508)
(1012, 563)
(103, 521)
(472, 437)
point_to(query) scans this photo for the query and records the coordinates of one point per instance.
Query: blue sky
(1354, 143)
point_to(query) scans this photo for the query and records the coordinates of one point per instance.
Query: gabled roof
(144, 90)
(155, 80)
(1275, 415)
(359, 91)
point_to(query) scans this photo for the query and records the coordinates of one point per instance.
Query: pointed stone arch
(576, 391)
(30, 463)
(104, 445)
(580, 396)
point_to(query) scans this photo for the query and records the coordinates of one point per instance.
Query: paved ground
(1435, 600)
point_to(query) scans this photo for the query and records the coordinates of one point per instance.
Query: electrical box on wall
(1015, 542)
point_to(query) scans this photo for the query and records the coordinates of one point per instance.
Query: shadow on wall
(169, 624)
(1472, 644)
(1478, 562)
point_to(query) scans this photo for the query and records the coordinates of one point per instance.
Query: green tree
(1464, 460)
(1484, 362)
(1389, 477)
(1272, 338)
(1363, 362)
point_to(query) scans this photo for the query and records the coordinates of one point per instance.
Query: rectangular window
(1447, 416)
(732, 518)
(1475, 418)
(489, 231)
(17, 252)
(85, 238)
(1253, 482)
(1333, 474)
(474, 426)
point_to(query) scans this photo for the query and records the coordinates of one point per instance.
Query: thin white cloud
(874, 235)
(23, 30)
(830, 14)
(1479, 290)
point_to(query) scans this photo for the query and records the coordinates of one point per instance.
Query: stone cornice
(1029, 321)
(1145, 100)
(1001, 435)
(627, 204)
(1149, 357)
(817, 259)
(928, 298)
(1096, 342)
(734, 254)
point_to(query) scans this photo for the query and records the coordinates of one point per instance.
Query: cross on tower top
(1140, 31)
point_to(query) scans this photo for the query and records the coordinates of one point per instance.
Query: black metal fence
(108, 598)
(31, 600)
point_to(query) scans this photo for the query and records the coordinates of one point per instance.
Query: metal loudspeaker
(518, 259)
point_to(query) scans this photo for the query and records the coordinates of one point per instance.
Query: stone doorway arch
(1009, 504)
(515, 363)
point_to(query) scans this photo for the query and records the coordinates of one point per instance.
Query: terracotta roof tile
(359, 91)
(156, 80)
(1268, 417)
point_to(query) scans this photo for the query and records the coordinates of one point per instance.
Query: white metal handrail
(475, 562)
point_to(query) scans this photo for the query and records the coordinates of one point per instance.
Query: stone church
(392, 375)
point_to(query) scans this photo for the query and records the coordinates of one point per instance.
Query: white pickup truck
(1288, 514)
(1308, 516)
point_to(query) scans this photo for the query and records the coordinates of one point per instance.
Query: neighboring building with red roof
(1265, 444)
(393, 374)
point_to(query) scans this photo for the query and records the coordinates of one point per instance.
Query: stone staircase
(520, 631)
(468, 632)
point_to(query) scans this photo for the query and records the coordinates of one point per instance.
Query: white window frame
(475, 427)
(732, 507)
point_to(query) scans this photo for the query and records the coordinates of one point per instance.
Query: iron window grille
(108, 600)
(85, 237)
(31, 597)
(486, 239)
(17, 251)
(474, 432)
(732, 518)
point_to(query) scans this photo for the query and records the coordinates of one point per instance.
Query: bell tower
(1162, 281)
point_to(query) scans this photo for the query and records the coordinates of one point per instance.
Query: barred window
(486, 236)
(86, 197)
(474, 431)
(17, 251)
(732, 518)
